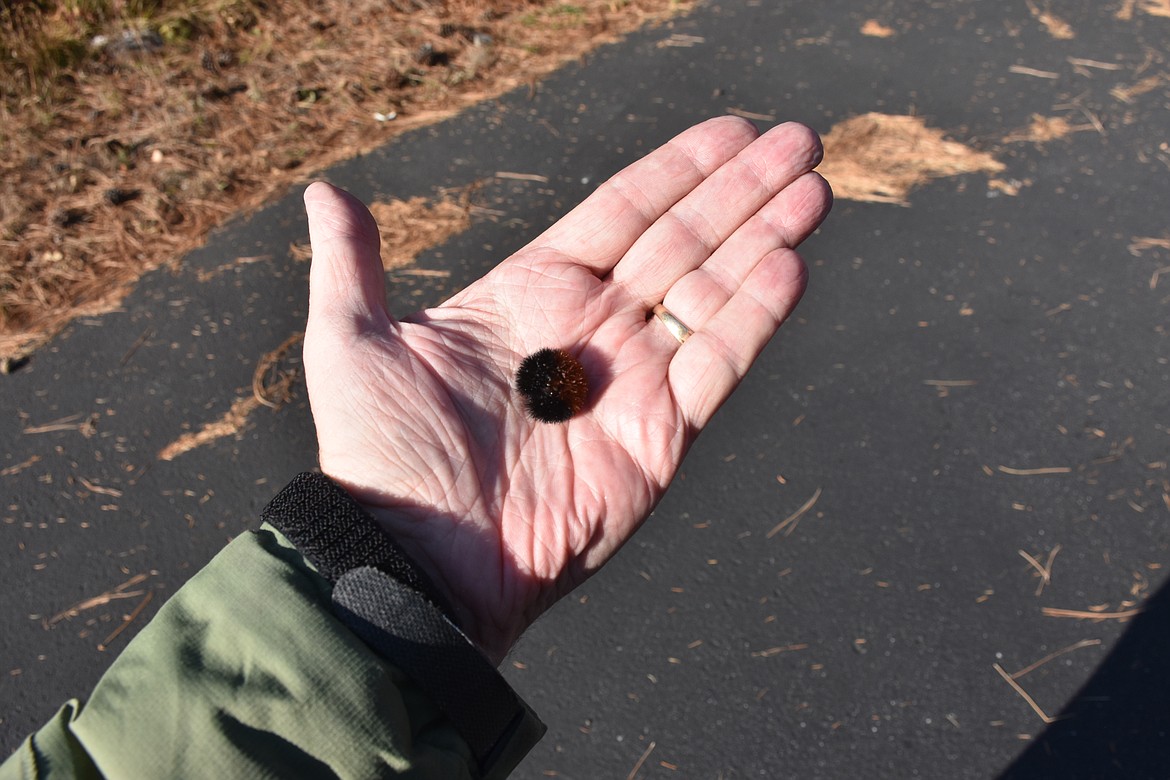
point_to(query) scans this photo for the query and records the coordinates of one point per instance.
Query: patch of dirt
(167, 128)
(880, 158)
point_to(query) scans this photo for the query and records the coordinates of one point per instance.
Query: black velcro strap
(336, 534)
(401, 625)
(396, 610)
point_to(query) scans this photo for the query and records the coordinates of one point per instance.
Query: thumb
(347, 285)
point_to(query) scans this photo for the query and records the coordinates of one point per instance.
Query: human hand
(418, 419)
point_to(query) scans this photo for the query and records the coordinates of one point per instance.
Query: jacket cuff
(395, 609)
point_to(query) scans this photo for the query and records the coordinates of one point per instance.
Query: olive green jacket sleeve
(245, 673)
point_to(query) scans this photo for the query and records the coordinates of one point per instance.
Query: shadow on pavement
(1117, 725)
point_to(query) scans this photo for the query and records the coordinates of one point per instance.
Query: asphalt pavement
(926, 538)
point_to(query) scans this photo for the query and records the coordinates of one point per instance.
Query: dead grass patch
(1128, 94)
(1156, 7)
(124, 158)
(1044, 129)
(880, 158)
(876, 29)
(272, 382)
(1052, 24)
(407, 228)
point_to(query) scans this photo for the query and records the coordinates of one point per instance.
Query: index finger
(599, 231)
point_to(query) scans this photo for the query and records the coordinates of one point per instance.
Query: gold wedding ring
(672, 323)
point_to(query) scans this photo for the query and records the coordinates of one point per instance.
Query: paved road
(971, 403)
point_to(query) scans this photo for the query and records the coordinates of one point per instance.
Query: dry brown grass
(114, 161)
(407, 228)
(880, 158)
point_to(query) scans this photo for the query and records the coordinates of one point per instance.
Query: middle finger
(683, 238)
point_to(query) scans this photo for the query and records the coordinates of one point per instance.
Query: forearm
(248, 672)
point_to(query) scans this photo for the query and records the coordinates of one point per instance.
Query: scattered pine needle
(120, 592)
(1083, 63)
(239, 262)
(1080, 614)
(745, 114)
(1023, 70)
(1056, 654)
(273, 391)
(944, 386)
(1131, 93)
(126, 621)
(71, 423)
(1044, 716)
(1045, 570)
(1035, 472)
(432, 273)
(788, 525)
(536, 177)
(232, 422)
(1044, 129)
(100, 490)
(681, 41)
(1053, 25)
(771, 651)
(1140, 244)
(19, 467)
(638, 766)
(266, 391)
(1011, 679)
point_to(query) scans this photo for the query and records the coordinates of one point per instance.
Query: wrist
(387, 601)
(337, 535)
(492, 634)
(485, 634)
(424, 535)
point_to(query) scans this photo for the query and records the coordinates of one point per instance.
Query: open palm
(418, 419)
